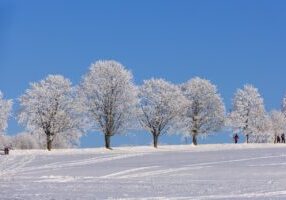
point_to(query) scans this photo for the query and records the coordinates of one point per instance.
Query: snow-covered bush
(5, 141)
(24, 141)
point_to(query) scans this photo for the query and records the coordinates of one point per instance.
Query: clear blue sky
(229, 42)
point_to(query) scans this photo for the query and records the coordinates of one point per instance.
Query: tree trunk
(155, 140)
(195, 142)
(49, 143)
(107, 141)
(247, 138)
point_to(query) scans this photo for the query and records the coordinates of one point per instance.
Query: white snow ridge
(244, 171)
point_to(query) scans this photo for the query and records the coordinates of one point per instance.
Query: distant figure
(283, 138)
(6, 150)
(278, 139)
(235, 138)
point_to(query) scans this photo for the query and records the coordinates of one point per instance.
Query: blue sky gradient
(229, 42)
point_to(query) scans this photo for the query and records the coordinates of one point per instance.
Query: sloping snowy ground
(171, 172)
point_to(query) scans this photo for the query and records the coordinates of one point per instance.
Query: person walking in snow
(278, 139)
(283, 138)
(6, 150)
(235, 138)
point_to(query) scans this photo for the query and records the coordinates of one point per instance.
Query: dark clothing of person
(283, 138)
(6, 150)
(235, 137)
(278, 139)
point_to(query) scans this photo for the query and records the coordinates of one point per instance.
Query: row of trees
(107, 100)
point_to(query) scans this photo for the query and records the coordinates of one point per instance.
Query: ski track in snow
(79, 162)
(231, 196)
(121, 174)
(237, 160)
(143, 174)
(12, 166)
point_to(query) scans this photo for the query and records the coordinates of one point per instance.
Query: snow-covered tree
(248, 113)
(5, 112)
(263, 131)
(161, 103)
(206, 112)
(278, 124)
(109, 98)
(284, 106)
(48, 107)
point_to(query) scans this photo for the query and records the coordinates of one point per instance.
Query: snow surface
(254, 171)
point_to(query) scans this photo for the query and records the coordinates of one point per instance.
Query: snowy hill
(255, 171)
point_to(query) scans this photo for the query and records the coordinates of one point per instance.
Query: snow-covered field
(171, 172)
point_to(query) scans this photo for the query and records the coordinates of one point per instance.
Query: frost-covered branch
(5, 112)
